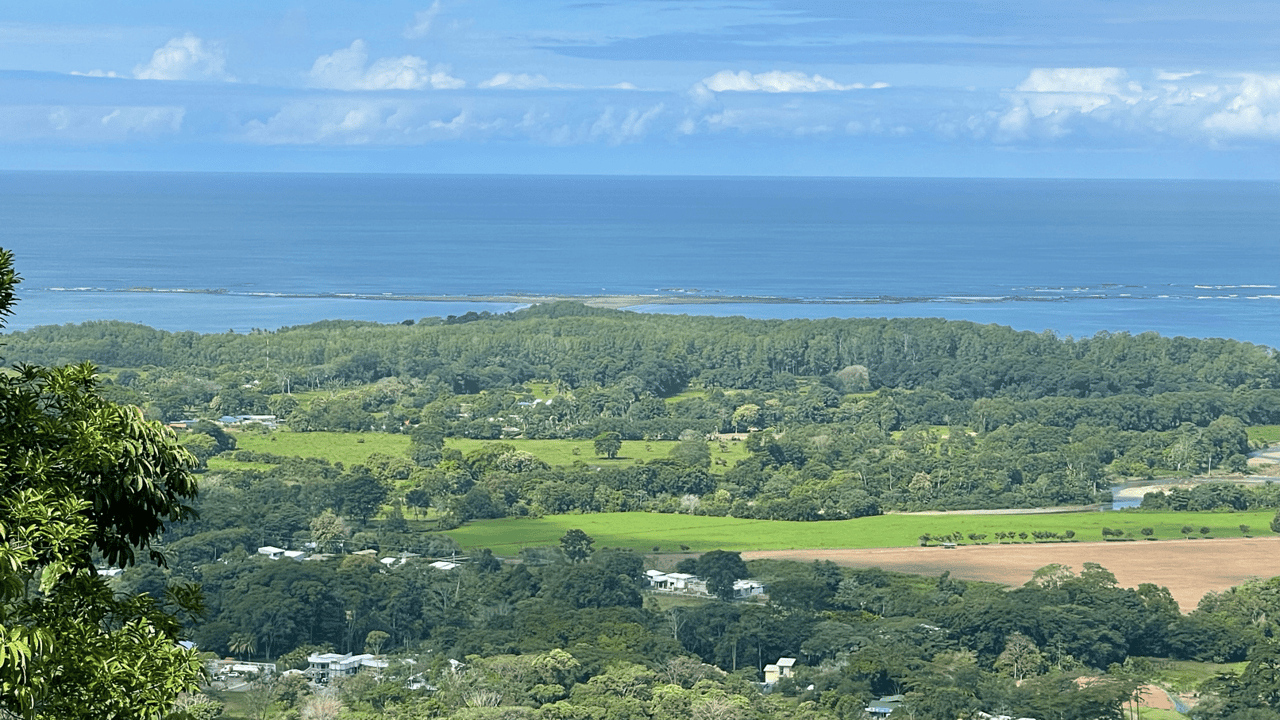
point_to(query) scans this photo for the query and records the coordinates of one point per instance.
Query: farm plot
(1190, 569)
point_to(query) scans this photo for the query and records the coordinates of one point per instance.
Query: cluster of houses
(270, 421)
(686, 584)
(274, 553)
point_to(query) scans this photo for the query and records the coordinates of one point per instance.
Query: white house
(327, 666)
(747, 588)
(774, 672)
(272, 552)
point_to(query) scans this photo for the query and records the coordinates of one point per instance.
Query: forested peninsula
(561, 409)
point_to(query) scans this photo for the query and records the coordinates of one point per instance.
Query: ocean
(218, 252)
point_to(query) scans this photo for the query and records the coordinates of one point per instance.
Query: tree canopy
(79, 477)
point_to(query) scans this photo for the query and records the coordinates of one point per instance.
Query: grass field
(1186, 675)
(346, 448)
(352, 448)
(1268, 434)
(644, 531)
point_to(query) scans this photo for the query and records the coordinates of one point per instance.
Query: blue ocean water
(212, 252)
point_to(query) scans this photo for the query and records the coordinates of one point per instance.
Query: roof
(786, 662)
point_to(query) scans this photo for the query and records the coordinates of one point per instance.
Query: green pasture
(1187, 675)
(353, 448)
(1265, 434)
(346, 448)
(560, 452)
(644, 531)
(1150, 713)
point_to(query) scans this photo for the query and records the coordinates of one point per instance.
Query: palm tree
(243, 644)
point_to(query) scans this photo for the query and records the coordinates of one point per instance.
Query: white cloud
(1101, 81)
(526, 81)
(774, 81)
(1254, 112)
(1105, 102)
(1049, 99)
(346, 69)
(185, 58)
(521, 81)
(629, 128)
(422, 20)
(96, 73)
(86, 123)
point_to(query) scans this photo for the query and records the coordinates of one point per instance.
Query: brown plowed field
(1189, 568)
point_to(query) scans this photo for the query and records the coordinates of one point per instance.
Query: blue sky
(1089, 88)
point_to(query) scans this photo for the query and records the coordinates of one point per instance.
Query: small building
(773, 672)
(445, 565)
(271, 552)
(327, 666)
(884, 707)
(747, 588)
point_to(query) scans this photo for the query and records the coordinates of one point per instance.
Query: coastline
(612, 301)
(1083, 315)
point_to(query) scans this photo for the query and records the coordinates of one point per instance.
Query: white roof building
(326, 666)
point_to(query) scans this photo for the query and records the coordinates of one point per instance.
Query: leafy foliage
(79, 476)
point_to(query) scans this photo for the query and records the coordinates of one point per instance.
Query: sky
(950, 88)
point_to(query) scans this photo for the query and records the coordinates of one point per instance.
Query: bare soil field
(1189, 568)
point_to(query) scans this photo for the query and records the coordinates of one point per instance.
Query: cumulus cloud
(775, 81)
(349, 69)
(422, 21)
(1193, 106)
(1254, 112)
(185, 58)
(334, 123)
(86, 123)
(1099, 80)
(1054, 96)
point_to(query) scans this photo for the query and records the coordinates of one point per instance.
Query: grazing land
(346, 448)
(1265, 434)
(354, 448)
(644, 531)
(1189, 569)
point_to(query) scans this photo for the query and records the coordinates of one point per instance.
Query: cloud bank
(776, 81)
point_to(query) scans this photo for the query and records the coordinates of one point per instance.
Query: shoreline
(612, 301)
(241, 309)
